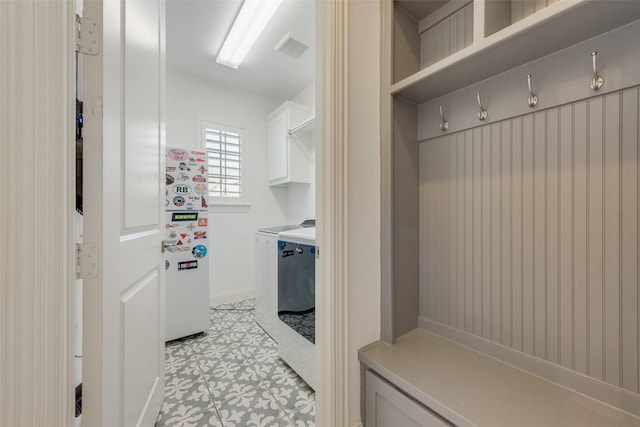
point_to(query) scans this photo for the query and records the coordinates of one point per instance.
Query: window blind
(225, 162)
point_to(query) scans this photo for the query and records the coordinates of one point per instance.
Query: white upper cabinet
(288, 159)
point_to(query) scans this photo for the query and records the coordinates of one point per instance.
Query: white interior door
(123, 337)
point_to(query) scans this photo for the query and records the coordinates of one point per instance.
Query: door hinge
(87, 260)
(87, 36)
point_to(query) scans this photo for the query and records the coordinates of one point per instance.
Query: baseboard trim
(231, 296)
(601, 391)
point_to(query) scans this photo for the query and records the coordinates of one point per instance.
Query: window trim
(226, 204)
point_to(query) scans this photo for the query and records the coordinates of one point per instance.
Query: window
(223, 145)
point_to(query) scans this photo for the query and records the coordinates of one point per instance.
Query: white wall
(307, 97)
(232, 244)
(363, 188)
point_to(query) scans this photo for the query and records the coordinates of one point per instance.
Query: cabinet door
(277, 147)
(385, 406)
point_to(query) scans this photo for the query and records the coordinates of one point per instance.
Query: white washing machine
(296, 301)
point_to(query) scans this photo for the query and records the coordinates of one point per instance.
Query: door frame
(333, 351)
(37, 130)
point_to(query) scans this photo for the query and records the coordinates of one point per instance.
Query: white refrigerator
(186, 244)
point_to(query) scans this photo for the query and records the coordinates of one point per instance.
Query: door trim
(37, 130)
(332, 324)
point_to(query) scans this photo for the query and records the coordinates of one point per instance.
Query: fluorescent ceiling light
(247, 27)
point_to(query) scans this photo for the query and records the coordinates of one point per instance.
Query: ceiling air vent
(291, 46)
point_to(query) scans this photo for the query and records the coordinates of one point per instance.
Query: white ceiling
(197, 28)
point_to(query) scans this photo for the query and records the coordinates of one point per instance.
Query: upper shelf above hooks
(546, 31)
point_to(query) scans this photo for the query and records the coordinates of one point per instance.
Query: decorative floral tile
(236, 364)
(182, 349)
(253, 408)
(248, 304)
(258, 347)
(183, 401)
(199, 419)
(277, 374)
(306, 414)
(222, 369)
(304, 423)
(214, 350)
(293, 398)
(224, 338)
(282, 422)
(243, 379)
(176, 373)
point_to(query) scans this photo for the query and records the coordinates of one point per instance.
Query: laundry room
(240, 159)
(250, 119)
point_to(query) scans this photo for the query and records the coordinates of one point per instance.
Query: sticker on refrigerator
(189, 206)
(190, 227)
(184, 216)
(183, 167)
(200, 189)
(178, 201)
(202, 169)
(170, 179)
(181, 189)
(187, 265)
(202, 222)
(199, 178)
(200, 235)
(177, 154)
(199, 251)
(166, 264)
(204, 203)
(199, 153)
(171, 168)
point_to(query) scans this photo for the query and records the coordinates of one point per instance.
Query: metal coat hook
(444, 125)
(533, 99)
(482, 114)
(597, 81)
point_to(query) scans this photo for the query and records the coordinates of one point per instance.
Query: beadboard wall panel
(448, 36)
(529, 235)
(522, 8)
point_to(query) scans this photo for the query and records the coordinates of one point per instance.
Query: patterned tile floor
(232, 377)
